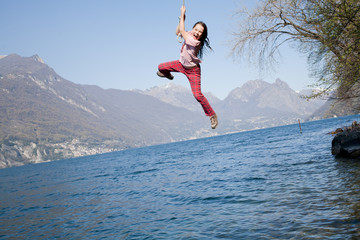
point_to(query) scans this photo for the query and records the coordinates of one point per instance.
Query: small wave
(255, 179)
(79, 179)
(102, 175)
(303, 163)
(226, 200)
(144, 171)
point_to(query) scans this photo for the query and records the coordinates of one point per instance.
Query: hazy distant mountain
(335, 108)
(259, 104)
(45, 117)
(34, 96)
(179, 96)
(39, 107)
(256, 98)
(256, 104)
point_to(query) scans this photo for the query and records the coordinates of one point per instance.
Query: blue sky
(119, 44)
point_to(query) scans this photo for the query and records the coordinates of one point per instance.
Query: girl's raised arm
(178, 28)
(181, 26)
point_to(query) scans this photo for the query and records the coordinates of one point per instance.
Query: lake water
(266, 184)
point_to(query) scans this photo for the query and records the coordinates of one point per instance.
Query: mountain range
(46, 117)
(256, 104)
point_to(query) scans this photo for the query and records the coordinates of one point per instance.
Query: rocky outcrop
(346, 143)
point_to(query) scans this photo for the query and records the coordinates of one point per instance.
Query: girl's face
(197, 31)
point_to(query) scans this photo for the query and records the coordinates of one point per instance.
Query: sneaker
(214, 121)
(171, 77)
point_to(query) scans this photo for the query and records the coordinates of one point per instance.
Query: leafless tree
(328, 31)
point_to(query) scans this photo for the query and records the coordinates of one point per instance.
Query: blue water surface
(266, 184)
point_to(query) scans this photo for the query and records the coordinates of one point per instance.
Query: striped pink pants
(194, 76)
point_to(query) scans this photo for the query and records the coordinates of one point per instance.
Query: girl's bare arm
(181, 27)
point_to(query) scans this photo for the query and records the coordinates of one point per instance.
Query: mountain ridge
(46, 117)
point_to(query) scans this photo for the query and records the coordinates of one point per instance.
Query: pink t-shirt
(189, 51)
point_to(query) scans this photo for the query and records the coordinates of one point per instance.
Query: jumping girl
(189, 63)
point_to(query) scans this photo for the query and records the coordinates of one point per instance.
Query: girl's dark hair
(204, 39)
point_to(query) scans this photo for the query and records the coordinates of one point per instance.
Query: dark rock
(347, 143)
(338, 130)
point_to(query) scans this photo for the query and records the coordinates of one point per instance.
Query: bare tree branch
(327, 30)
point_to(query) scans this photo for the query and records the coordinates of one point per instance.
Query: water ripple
(265, 184)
